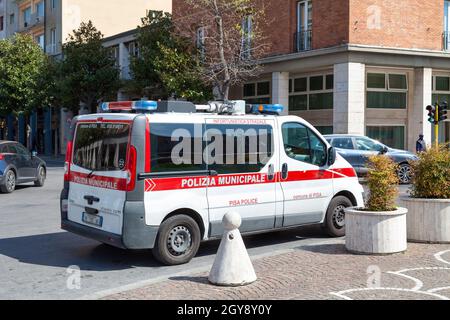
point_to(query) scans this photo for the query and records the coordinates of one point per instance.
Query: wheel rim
(41, 175)
(10, 181)
(339, 216)
(179, 240)
(404, 174)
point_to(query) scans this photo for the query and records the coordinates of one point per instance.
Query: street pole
(436, 126)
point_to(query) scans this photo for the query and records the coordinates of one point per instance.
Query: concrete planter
(428, 220)
(368, 232)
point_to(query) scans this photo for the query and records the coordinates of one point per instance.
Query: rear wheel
(41, 177)
(178, 240)
(10, 182)
(335, 219)
(404, 173)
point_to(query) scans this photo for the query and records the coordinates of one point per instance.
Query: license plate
(92, 219)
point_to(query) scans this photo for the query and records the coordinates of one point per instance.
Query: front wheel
(335, 219)
(178, 240)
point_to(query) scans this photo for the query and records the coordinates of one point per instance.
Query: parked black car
(356, 150)
(18, 165)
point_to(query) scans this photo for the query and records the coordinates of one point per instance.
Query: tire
(335, 218)
(10, 182)
(404, 173)
(42, 175)
(178, 240)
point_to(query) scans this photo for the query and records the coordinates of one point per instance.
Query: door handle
(271, 173)
(91, 199)
(284, 171)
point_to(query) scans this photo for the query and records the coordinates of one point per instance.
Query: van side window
(302, 144)
(176, 147)
(243, 148)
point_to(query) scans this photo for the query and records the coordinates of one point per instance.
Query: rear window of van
(101, 146)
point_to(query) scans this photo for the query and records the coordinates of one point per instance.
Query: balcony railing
(35, 20)
(446, 40)
(303, 41)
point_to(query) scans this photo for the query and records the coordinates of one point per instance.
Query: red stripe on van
(111, 183)
(165, 184)
(344, 173)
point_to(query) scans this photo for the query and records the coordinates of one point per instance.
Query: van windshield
(101, 146)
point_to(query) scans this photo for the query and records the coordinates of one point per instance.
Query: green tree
(167, 64)
(24, 79)
(87, 72)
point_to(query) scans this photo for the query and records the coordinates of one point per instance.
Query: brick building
(355, 66)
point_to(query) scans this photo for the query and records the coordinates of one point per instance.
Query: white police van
(161, 175)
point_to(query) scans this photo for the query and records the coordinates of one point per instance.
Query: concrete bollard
(232, 266)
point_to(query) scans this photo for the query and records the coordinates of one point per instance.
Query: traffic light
(431, 114)
(442, 112)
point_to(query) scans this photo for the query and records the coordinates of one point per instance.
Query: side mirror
(332, 154)
(384, 150)
(34, 154)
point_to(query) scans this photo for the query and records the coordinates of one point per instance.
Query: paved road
(35, 253)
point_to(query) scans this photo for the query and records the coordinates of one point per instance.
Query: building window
(1, 23)
(446, 25)
(325, 129)
(200, 41)
(53, 40)
(256, 93)
(40, 9)
(12, 18)
(40, 39)
(311, 93)
(133, 49)
(26, 14)
(247, 34)
(441, 89)
(303, 35)
(387, 91)
(392, 136)
(115, 55)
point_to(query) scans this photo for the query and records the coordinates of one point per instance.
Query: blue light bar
(142, 105)
(275, 109)
(145, 105)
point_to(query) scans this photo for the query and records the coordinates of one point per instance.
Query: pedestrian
(421, 146)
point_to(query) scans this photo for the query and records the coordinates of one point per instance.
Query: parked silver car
(357, 149)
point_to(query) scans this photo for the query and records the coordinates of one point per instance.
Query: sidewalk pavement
(321, 272)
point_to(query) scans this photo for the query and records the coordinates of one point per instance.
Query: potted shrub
(379, 227)
(429, 201)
